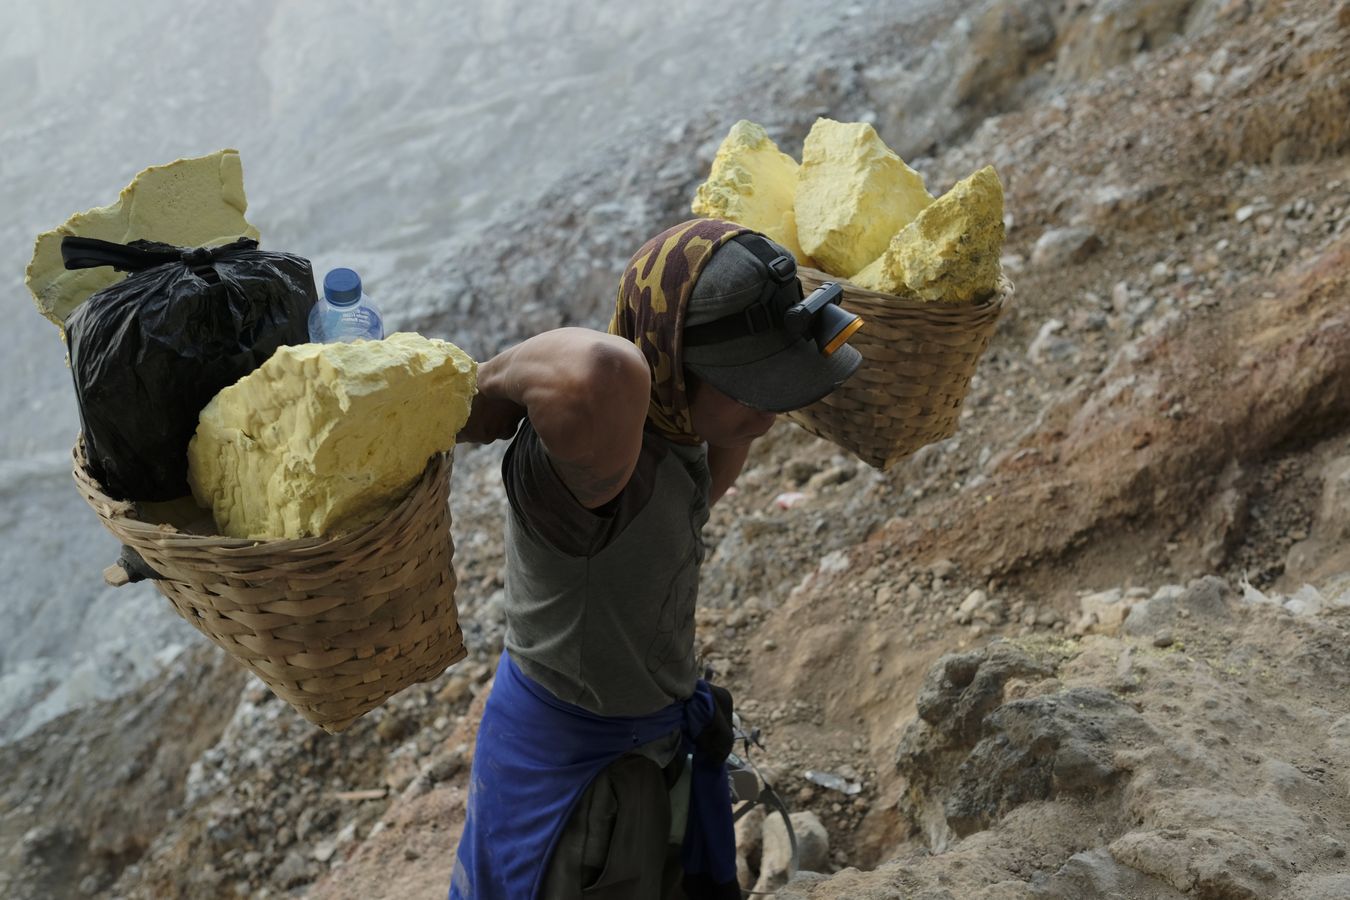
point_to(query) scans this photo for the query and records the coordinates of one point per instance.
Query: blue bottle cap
(342, 287)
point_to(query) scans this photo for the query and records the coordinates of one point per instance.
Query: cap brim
(795, 376)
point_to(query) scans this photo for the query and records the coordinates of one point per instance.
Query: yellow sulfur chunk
(324, 438)
(752, 183)
(195, 202)
(853, 195)
(951, 251)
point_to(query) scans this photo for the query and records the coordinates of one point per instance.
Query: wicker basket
(334, 626)
(917, 361)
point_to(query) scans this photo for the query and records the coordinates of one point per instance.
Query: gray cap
(771, 370)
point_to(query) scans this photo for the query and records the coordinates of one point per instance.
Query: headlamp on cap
(821, 316)
(818, 316)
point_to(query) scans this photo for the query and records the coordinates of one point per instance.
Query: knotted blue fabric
(537, 755)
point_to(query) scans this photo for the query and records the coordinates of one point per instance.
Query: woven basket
(334, 626)
(917, 361)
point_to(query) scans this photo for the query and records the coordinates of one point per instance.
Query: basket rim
(1003, 292)
(878, 437)
(118, 512)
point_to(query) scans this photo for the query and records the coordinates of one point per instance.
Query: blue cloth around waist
(535, 757)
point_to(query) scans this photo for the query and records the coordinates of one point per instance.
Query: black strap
(782, 267)
(760, 315)
(751, 320)
(137, 256)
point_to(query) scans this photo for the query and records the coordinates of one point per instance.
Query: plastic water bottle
(344, 313)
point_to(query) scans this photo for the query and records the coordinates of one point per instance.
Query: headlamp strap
(758, 316)
(782, 267)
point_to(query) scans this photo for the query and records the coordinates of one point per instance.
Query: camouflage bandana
(653, 296)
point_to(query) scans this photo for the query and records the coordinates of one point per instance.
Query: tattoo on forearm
(585, 485)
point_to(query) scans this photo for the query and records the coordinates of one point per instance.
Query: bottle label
(332, 324)
(360, 320)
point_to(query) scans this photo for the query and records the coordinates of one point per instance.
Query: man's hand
(491, 419)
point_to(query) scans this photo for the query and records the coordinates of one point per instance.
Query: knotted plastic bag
(149, 352)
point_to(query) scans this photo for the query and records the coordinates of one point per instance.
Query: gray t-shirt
(600, 603)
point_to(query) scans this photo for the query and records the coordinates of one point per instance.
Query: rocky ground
(1068, 653)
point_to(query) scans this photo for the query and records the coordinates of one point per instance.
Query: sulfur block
(752, 183)
(324, 438)
(196, 202)
(951, 251)
(853, 195)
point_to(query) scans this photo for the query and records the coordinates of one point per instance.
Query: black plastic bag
(149, 352)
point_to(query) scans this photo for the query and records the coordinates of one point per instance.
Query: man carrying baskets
(598, 726)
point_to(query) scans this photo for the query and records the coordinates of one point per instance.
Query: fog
(370, 133)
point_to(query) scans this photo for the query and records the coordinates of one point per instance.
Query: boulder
(1204, 598)
(1100, 36)
(1065, 246)
(1095, 873)
(813, 849)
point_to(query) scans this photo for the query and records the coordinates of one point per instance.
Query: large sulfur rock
(853, 195)
(951, 252)
(753, 184)
(323, 438)
(196, 202)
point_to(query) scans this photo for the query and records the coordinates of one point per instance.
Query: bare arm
(586, 394)
(725, 464)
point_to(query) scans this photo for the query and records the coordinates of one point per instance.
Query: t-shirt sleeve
(547, 508)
